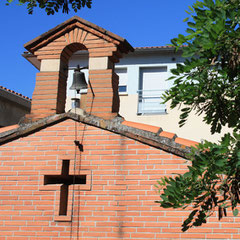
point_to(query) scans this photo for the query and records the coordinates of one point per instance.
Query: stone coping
(147, 134)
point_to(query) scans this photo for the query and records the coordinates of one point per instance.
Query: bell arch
(65, 58)
(54, 49)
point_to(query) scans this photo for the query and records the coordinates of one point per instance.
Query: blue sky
(141, 22)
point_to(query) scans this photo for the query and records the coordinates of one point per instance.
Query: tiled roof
(166, 47)
(15, 93)
(161, 133)
(157, 47)
(147, 134)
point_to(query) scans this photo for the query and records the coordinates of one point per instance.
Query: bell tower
(53, 50)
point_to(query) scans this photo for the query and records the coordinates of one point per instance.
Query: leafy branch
(53, 6)
(208, 82)
(211, 182)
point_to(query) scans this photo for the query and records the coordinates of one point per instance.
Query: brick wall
(117, 201)
(52, 85)
(54, 49)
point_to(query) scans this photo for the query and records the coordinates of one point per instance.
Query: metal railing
(150, 102)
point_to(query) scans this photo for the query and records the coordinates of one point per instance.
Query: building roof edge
(41, 38)
(150, 135)
(15, 93)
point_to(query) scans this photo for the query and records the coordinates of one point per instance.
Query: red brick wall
(51, 86)
(120, 203)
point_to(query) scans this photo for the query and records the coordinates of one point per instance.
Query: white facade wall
(136, 64)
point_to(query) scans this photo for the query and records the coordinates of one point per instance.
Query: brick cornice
(70, 24)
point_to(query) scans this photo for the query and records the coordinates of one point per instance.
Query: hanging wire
(75, 158)
(77, 144)
(80, 159)
(74, 168)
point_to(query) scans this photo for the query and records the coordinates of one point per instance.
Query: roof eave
(15, 98)
(162, 49)
(32, 59)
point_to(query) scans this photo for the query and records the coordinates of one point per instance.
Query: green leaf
(190, 31)
(235, 212)
(220, 162)
(191, 9)
(209, 3)
(191, 24)
(175, 71)
(186, 109)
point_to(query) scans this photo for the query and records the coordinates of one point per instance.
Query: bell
(79, 81)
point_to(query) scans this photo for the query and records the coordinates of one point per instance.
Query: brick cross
(66, 180)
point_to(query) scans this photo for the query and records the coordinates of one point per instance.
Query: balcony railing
(150, 102)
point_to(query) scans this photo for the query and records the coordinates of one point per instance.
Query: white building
(143, 78)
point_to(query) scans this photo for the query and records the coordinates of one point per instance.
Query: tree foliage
(53, 6)
(208, 82)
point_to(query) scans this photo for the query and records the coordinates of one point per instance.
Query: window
(122, 73)
(122, 89)
(152, 84)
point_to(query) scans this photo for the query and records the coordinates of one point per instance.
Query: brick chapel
(88, 173)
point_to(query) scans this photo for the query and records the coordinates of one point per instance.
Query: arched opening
(73, 55)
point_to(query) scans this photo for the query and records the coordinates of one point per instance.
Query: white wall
(194, 129)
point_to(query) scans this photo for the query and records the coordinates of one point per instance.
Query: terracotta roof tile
(186, 142)
(8, 128)
(157, 47)
(141, 126)
(16, 93)
(168, 135)
(154, 129)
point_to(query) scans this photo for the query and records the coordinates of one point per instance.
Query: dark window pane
(122, 88)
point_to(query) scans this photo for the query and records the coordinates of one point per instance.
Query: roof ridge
(68, 24)
(155, 138)
(16, 93)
